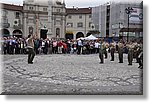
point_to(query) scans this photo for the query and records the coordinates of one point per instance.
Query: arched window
(5, 32)
(57, 32)
(17, 33)
(79, 34)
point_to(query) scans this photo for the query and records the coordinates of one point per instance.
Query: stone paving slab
(77, 74)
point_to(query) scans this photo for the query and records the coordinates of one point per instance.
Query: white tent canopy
(80, 38)
(91, 37)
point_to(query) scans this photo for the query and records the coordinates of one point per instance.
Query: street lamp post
(128, 11)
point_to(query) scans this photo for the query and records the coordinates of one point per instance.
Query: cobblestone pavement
(70, 74)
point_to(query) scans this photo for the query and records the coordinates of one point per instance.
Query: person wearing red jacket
(60, 47)
(64, 47)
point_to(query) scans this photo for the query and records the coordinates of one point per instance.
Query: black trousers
(101, 56)
(5, 50)
(141, 59)
(31, 55)
(112, 51)
(79, 50)
(120, 52)
(130, 56)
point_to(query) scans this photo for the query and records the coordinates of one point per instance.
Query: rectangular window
(58, 10)
(17, 14)
(30, 8)
(69, 25)
(80, 25)
(90, 16)
(90, 24)
(69, 17)
(44, 9)
(80, 17)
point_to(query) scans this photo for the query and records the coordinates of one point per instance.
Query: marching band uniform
(101, 52)
(106, 45)
(130, 47)
(120, 51)
(140, 56)
(135, 52)
(112, 50)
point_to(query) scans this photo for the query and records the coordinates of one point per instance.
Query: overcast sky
(71, 3)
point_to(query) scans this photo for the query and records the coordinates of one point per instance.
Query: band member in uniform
(135, 50)
(130, 47)
(120, 50)
(106, 45)
(140, 56)
(140, 60)
(101, 51)
(30, 46)
(112, 50)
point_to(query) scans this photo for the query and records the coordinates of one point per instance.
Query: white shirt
(97, 45)
(80, 43)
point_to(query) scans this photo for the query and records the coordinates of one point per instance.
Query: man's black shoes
(30, 62)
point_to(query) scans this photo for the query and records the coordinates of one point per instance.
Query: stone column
(25, 30)
(49, 19)
(63, 27)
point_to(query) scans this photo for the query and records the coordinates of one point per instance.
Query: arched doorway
(5, 32)
(57, 32)
(43, 33)
(79, 34)
(17, 33)
(69, 36)
(88, 34)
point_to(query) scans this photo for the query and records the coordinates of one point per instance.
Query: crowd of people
(14, 45)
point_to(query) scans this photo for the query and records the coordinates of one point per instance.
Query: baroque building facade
(40, 16)
(46, 19)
